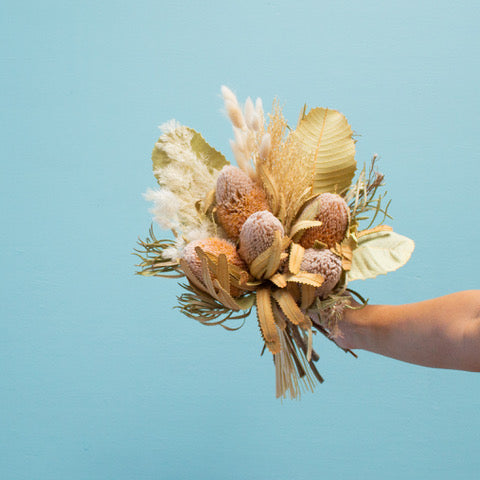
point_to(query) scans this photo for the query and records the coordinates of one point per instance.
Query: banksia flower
(237, 196)
(257, 234)
(232, 183)
(215, 246)
(326, 264)
(333, 212)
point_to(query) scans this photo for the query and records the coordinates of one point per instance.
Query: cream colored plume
(248, 128)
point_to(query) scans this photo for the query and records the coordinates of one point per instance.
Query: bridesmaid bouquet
(282, 234)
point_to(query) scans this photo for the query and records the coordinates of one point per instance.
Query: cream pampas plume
(248, 129)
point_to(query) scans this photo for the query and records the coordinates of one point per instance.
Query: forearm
(443, 332)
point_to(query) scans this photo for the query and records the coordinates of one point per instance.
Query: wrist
(352, 330)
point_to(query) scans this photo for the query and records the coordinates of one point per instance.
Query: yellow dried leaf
(291, 310)
(269, 186)
(224, 297)
(379, 228)
(306, 278)
(222, 272)
(279, 317)
(275, 257)
(326, 135)
(308, 295)
(206, 276)
(267, 263)
(296, 257)
(302, 225)
(266, 321)
(279, 279)
(192, 278)
(345, 250)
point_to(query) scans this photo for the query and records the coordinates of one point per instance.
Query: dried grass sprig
(153, 262)
(285, 156)
(207, 310)
(362, 197)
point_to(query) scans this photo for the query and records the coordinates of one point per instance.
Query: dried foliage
(153, 262)
(295, 290)
(365, 200)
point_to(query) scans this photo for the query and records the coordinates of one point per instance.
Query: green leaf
(178, 143)
(326, 135)
(379, 253)
(213, 158)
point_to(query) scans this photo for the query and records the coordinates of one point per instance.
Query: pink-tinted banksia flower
(215, 246)
(332, 210)
(237, 196)
(326, 264)
(257, 234)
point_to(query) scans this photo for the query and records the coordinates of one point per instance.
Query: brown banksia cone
(215, 246)
(257, 234)
(237, 197)
(326, 264)
(332, 210)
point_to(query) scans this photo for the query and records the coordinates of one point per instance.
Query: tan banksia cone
(215, 246)
(332, 210)
(326, 264)
(232, 183)
(237, 196)
(257, 234)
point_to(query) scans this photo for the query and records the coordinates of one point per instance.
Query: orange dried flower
(326, 264)
(334, 214)
(238, 196)
(215, 246)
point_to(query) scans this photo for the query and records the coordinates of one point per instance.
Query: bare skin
(442, 333)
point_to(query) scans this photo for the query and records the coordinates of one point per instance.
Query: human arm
(443, 332)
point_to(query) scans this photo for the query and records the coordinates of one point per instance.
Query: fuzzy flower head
(257, 234)
(333, 212)
(326, 264)
(232, 183)
(215, 246)
(237, 198)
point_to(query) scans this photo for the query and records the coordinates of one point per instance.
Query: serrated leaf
(266, 320)
(306, 278)
(379, 253)
(291, 310)
(267, 263)
(326, 135)
(308, 295)
(279, 279)
(295, 258)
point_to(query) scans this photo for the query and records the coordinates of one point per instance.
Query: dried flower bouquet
(279, 233)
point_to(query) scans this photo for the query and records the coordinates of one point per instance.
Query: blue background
(99, 377)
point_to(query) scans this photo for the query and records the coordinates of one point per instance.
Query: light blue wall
(99, 377)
